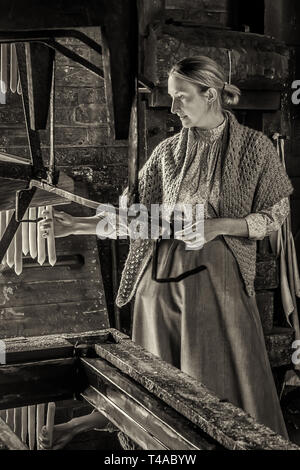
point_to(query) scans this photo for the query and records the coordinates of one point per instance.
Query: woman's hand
(63, 224)
(62, 435)
(195, 239)
(212, 229)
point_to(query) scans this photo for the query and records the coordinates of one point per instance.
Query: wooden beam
(143, 417)
(119, 24)
(33, 136)
(15, 177)
(39, 65)
(120, 418)
(149, 12)
(53, 379)
(191, 398)
(119, 28)
(39, 382)
(15, 171)
(56, 346)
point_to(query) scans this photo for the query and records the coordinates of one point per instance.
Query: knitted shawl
(253, 179)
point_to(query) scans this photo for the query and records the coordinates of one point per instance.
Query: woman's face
(188, 102)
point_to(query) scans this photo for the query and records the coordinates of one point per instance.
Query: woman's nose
(174, 107)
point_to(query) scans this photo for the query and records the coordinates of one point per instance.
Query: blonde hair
(206, 73)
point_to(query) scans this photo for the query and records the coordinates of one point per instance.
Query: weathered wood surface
(258, 62)
(56, 299)
(38, 382)
(134, 410)
(191, 399)
(39, 348)
(84, 153)
(8, 188)
(214, 12)
(182, 393)
(123, 420)
(65, 316)
(58, 291)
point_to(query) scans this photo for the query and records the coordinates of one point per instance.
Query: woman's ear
(211, 94)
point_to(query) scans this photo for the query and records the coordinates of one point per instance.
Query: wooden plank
(9, 438)
(53, 318)
(38, 382)
(76, 243)
(15, 171)
(122, 419)
(8, 157)
(191, 398)
(35, 272)
(46, 292)
(180, 391)
(171, 429)
(8, 188)
(53, 346)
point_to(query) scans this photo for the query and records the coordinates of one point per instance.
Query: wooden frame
(154, 403)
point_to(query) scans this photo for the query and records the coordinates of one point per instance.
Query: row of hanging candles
(28, 239)
(9, 72)
(27, 422)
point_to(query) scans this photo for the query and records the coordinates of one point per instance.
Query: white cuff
(257, 226)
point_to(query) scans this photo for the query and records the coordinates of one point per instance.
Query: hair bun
(230, 94)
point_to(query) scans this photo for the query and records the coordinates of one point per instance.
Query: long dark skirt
(208, 326)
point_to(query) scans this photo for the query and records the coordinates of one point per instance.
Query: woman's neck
(212, 120)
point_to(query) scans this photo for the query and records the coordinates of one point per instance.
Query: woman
(208, 324)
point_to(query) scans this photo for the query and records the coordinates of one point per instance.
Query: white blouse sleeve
(262, 223)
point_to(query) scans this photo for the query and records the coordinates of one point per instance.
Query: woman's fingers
(44, 438)
(188, 229)
(46, 224)
(45, 213)
(60, 215)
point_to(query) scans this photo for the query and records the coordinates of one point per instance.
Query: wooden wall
(45, 300)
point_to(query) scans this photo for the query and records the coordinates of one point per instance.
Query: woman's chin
(186, 122)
